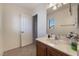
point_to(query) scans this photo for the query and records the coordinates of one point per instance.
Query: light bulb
(51, 5)
(54, 8)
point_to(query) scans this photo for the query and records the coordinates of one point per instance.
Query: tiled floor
(29, 50)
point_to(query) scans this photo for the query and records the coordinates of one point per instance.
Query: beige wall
(63, 17)
(12, 17)
(1, 38)
(11, 26)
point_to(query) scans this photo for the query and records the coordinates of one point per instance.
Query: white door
(26, 30)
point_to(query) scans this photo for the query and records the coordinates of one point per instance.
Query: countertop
(62, 44)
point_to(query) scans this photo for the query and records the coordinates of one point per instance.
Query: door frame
(33, 26)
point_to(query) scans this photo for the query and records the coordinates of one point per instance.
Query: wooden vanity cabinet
(54, 52)
(40, 49)
(45, 50)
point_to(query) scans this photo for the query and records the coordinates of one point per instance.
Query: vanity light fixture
(55, 6)
(59, 5)
(51, 4)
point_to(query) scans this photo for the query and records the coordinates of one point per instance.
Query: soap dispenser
(74, 45)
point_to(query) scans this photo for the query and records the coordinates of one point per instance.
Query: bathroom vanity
(47, 47)
(45, 50)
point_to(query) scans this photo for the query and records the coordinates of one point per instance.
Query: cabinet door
(41, 49)
(54, 52)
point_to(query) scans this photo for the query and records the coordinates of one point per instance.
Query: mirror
(60, 21)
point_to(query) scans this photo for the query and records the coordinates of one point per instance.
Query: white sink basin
(59, 41)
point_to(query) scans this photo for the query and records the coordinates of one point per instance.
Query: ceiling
(29, 6)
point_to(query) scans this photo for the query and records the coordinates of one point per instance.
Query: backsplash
(63, 31)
